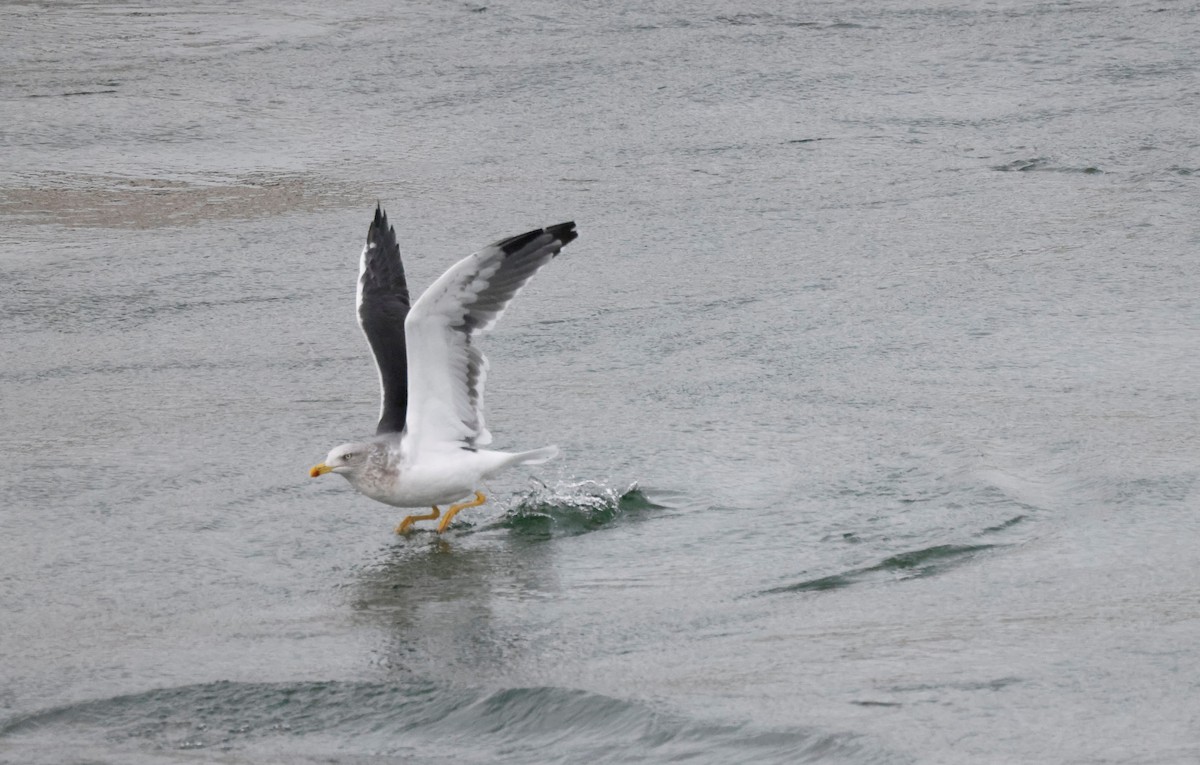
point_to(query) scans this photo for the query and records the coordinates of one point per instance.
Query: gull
(427, 449)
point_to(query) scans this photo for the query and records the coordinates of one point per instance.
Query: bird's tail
(535, 457)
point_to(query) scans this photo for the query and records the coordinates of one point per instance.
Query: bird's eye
(347, 456)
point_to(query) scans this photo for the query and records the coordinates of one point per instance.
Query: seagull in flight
(428, 446)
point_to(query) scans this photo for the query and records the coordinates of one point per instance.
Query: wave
(375, 722)
(912, 564)
(1044, 164)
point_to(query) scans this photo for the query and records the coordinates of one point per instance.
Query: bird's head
(347, 459)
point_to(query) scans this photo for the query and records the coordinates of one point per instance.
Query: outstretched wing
(382, 308)
(446, 367)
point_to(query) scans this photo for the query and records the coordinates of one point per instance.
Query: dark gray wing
(382, 307)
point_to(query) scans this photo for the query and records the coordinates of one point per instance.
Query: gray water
(874, 370)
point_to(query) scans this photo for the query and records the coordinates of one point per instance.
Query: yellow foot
(453, 511)
(410, 520)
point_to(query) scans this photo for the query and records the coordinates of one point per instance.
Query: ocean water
(874, 371)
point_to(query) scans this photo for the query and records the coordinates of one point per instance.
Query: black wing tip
(380, 232)
(564, 232)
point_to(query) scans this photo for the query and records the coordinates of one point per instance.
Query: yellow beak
(319, 469)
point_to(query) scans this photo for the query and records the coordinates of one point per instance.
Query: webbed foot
(410, 520)
(453, 511)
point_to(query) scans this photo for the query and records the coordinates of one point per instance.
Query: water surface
(874, 370)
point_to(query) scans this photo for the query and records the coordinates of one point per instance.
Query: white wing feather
(446, 368)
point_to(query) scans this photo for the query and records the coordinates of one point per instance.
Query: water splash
(567, 509)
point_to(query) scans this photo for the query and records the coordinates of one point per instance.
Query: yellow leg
(404, 524)
(453, 511)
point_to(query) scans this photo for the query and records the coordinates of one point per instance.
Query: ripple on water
(908, 565)
(317, 720)
(1044, 164)
(911, 564)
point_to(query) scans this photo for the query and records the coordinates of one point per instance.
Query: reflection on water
(448, 604)
(455, 602)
